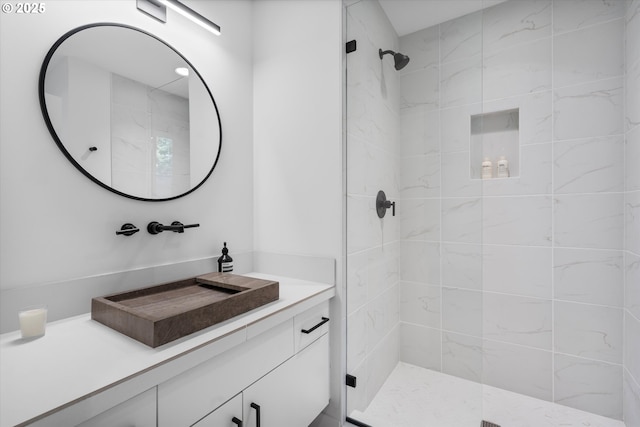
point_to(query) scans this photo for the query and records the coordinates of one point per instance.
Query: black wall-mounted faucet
(155, 227)
(127, 229)
(382, 204)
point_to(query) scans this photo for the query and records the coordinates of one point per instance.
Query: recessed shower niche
(495, 147)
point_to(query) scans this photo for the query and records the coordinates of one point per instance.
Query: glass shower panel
(414, 280)
(497, 292)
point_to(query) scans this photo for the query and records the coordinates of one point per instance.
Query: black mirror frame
(56, 138)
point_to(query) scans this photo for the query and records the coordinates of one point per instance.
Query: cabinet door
(224, 416)
(293, 394)
(139, 411)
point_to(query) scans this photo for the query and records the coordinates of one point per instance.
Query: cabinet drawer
(187, 398)
(224, 415)
(139, 411)
(311, 325)
(293, 394)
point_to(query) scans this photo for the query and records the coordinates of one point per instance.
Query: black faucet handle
(155, 227)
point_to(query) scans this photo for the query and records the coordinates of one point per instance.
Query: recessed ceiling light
(182, 71)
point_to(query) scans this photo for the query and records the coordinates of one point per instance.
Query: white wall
(57, 225)
(297, 127)
(297, 144)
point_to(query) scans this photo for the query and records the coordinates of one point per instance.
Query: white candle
(32, 322)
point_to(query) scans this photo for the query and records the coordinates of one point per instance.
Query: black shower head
(400, 59)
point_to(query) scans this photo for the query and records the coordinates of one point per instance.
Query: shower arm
(383, 53)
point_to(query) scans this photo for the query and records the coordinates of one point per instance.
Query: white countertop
(78, 357)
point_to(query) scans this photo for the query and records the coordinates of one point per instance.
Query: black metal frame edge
(47, 119)
(357, 423)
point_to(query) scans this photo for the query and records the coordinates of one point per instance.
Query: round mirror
(130, 112)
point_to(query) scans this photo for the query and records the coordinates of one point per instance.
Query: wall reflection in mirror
(130, 112)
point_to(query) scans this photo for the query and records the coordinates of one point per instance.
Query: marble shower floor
(418, 397)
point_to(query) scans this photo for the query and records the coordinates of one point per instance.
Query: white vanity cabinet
(228, 415)
(207, 379)
(292, 395)
(284, 375)
(139, 411)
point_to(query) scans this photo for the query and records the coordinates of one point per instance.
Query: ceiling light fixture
(192, 15)
(182, 71)
(158, 10)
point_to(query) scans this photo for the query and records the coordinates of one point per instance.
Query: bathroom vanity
(268, 366)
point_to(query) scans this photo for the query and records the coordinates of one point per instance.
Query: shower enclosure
(506, 288)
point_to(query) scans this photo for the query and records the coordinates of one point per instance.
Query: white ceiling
(408, 16)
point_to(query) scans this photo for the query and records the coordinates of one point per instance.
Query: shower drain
(488, 424)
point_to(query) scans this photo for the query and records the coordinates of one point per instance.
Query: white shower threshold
(416, 397)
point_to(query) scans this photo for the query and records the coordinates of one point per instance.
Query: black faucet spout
(155, 227)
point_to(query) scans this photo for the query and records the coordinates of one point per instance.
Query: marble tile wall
(530, 271)
(373, 162)
(631, 271)
(140, 114)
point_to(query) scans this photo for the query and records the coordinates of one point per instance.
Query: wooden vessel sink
(159, 314)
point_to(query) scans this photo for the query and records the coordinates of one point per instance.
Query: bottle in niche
(225, 262)
(503, 167)
(487, 168)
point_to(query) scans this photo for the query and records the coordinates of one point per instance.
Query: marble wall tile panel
(517, 270)
(420, 88)
(503, 367)
(517, 220)
(569, 15)
(517, 320)
(515, 22)
(632, 284)
(461, 38)
(456, 176)
(462, 311)
(357, 333)
(631, 401)
(589, 276)
(365, 228)
(517, 70)
(419, 131)
(588, 331)
(420, 176)
(588, 385)
(420, 346)
(632, 110)
(589, 165)
(589, 110)
(462, 356)
(632, 349)
(462, 265)
(589, 221)
(455, 125)
(632, 222)
(380, 362)
(380, 171)
(632, 159)
(422, 47)
(382, 317)
(420, 262)
(632, 45)
(462, 220)
(420, 304)
(419, 219)
(575, 61)
(461, 82)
